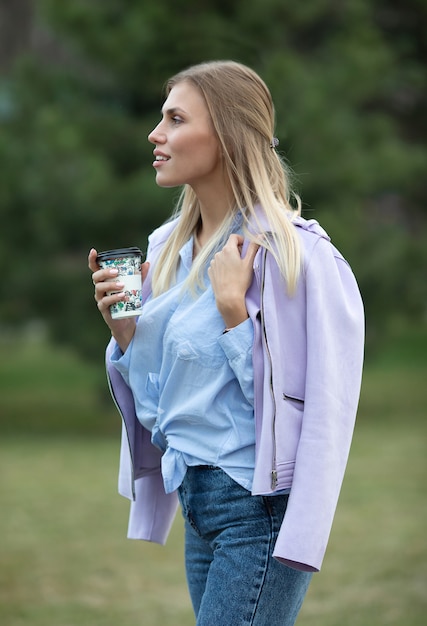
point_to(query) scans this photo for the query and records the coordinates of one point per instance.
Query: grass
(64, 558)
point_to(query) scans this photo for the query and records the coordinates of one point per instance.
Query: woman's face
(187, 150)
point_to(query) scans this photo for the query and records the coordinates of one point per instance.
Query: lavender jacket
(307, 356)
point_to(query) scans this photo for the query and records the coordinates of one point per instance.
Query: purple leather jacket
(308, 356)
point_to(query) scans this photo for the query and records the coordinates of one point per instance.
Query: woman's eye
(176, 120)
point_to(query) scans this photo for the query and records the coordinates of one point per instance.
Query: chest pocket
(208, 355)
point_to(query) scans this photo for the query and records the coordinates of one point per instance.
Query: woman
(239, 385)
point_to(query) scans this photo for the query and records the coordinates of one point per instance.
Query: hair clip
(274, 143)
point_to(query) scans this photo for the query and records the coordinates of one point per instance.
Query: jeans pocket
(276, 509)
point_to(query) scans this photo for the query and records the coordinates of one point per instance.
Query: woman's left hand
(231, 275)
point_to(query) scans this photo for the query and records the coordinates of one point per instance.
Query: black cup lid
(106, 255)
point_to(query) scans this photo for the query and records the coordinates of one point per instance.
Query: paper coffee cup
(128, 262)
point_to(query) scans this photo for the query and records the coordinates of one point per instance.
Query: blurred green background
(80, 89)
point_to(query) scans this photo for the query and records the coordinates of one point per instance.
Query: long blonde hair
(243, 117)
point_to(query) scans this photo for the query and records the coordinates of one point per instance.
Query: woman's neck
(211, 219)
(215, 202)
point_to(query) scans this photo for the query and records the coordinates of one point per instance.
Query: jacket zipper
(267, 349)
(127, 435)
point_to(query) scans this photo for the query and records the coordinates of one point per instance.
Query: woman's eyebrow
(172, 111)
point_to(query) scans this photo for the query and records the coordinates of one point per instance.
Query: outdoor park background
(80, 88)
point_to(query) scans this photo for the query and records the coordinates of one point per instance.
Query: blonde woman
(238, 387)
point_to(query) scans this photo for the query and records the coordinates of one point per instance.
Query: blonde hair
(243, 117)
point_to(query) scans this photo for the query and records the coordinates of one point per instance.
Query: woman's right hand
(105, 280)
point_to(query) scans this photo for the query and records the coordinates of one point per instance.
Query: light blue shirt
(192, 384)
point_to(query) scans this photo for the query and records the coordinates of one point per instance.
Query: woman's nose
(156, 136)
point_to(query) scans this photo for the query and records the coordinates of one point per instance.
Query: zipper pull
(273, 479)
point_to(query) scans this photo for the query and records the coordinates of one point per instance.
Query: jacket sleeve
(152, 510)
(335, 346)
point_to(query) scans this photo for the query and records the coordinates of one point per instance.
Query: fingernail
(114, 272)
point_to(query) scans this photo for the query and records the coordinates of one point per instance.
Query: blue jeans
(229, 539)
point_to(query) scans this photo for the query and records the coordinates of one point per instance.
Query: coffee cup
(128, 263)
